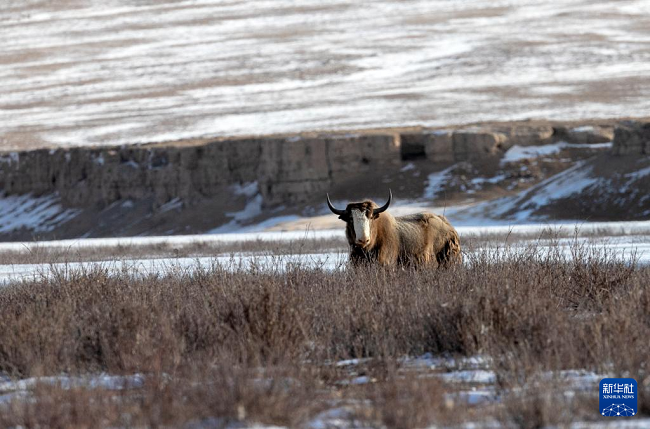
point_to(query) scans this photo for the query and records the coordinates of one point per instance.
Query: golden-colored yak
(374, 235)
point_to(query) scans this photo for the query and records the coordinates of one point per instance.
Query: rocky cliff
(632, 138)
(214, 180)
(287, 169)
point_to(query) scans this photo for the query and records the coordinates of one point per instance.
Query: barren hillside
(88, 72)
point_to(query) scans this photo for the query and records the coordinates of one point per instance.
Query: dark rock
(588, 134)
(632, 138)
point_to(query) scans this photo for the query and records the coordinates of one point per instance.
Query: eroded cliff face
(632, 138)
(218, 177)
(193, 186)
(287, 170)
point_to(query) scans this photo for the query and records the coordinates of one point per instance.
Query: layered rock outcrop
(476, 143)
(287, 170)
(632, 138)
(212, 181)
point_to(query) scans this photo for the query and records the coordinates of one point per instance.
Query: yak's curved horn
(334, 209)
(385, 206)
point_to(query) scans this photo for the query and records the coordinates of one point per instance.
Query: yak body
(411, 240)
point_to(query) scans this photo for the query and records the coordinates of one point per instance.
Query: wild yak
(374, 235)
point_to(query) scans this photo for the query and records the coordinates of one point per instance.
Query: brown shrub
(259, 345)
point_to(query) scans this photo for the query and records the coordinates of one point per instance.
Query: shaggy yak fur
(412, 240)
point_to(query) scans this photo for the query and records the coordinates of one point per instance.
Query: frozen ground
(97, 72)
(623, 240)
(39, 214)
(532, 230)
(469, 381)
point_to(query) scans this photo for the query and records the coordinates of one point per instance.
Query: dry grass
(34, 253)
(220, 347)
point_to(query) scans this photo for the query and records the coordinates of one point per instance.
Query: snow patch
(584, 129)
(101, 381)
(518, 153)
(249, 189)
(408, 167)
(224, 423)
(430, 361)
(140, 268)
(37, 214)
(253, 208)
(6, 398)
(335, 418)
(131, 164)
(638, 174)
(479, 181)
(616, 424)
(173, 204)
(436, 181)
(470, 376)
(364, 379)
(474, 396)
(575, 378)
(520, 207)
(352, 362)
(10, 158)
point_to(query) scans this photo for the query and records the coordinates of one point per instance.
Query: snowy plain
(95, 72)
(631, 228)
(624, 240)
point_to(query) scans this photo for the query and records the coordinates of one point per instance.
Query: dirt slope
(109, 73)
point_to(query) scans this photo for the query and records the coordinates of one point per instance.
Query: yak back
(425, 237)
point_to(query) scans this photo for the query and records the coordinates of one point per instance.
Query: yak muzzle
(362, 242)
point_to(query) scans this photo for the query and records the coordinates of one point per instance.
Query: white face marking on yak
(358, 218)
(361, 226)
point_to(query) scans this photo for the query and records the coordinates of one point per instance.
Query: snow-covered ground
(533, 230)
(111, 72)
(39, 214)
(142, 267)
(624, 240)
(476, 384)
(471, 382)
(518, 153)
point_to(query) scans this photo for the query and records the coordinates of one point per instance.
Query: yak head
(359, 218)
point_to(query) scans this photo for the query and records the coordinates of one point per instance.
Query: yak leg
(450, 253)
(359, 257)
(387, 256)
(428, 258)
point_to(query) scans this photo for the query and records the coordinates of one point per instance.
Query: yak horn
(334, 209)
(385, 206)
